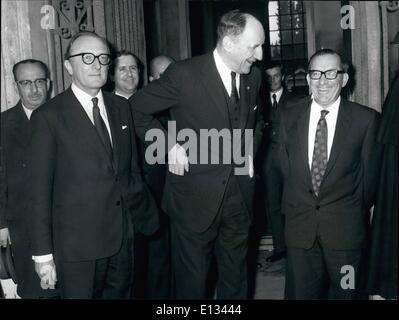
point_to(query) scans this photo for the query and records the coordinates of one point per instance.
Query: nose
(96, 63)
(323, 79)
(34, 87)
(259, 53)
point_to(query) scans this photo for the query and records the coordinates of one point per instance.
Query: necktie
(234, 92)
(274, 102)
(319, 161)
(101, 128)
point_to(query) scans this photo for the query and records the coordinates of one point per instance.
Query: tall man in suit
(277, 99)
(329, 160)
(86, 184)
(32, 82)
(210, 207)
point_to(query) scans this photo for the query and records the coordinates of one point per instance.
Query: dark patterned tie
(274, 102)
(319, 161)
(234, 93)
(101, 127)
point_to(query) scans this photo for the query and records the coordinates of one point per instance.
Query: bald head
(158, 65)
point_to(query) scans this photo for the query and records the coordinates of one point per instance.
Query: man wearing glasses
(86, 182)
(32, 83)
(329, 160)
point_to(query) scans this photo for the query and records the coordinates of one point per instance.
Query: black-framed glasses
(40, 83)
(88, 58)
(328, 74)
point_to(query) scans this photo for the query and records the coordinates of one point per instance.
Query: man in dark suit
(152, 253)
(32, 82)
(329, 161)
(86, 185)
(277, 99)
(210, 205)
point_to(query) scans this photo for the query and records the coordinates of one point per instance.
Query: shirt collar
(278, 94)
(122, 95)
(223, 70)
(28, 112)
(332, 108)
(84, 98)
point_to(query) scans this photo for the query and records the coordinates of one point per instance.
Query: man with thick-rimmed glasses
(328, 158)
(86, 184)
(32, 83)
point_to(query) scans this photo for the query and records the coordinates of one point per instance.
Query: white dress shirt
(225, 73)
(28, 112)
(331, 120)
(278, 94)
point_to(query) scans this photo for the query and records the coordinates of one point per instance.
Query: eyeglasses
(25, 84)
(88, 58)
(329, 74)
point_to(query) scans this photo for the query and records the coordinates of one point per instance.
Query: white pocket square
(256, 107)
(124, 127)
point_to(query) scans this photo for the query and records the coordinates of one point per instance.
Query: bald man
(209, 205)
(158, 65)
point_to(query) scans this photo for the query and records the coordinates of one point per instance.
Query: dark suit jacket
(15, 138)
(340, 214)
(196, 97)
(78, 196)
(271, 116)
(14, 198)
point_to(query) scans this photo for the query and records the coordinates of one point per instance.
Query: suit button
(24, 165)
(224, 182)
(118, 203)
(317, 207)
(310, 191)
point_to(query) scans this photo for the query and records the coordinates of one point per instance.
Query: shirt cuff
(43, 258)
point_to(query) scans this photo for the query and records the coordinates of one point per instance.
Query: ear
(48, 84)
(228, 43)
(308, 79)
(345, 79)
(151, 78)
(68, 66)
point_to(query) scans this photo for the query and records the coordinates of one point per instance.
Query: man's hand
(178, 160)
(47, 274)
(4, 237)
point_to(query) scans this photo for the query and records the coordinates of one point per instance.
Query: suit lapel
(114, 121)
(214, 86)
(78, 121)
(18, 123)
(245, 99)
(302, 134)
(283, 98)
(341, 132)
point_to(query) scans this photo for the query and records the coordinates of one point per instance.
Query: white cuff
(43, 258)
